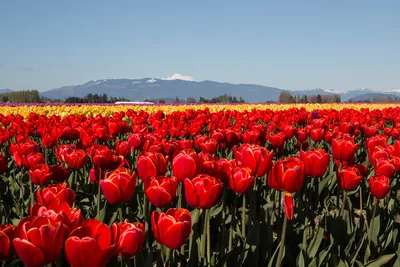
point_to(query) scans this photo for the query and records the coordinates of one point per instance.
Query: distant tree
(191, 99)
(319, 98)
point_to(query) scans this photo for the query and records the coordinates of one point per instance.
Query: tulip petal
(158, 196)
(176, 235)
(30, 254)
(110, 191)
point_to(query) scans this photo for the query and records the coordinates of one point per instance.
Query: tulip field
(219, 185)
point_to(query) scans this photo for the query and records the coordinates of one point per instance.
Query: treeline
(25, 96)
(377, 99)
(191, 100)
(286, 97)
(95, 98)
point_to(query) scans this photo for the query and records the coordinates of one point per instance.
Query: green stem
(121, 212)
(233, 221)
(98, 195)
(244, 217)
(204, 235)
(208, 239)
(223, 229)
(282, 245)
(371, 229)
(46, 156)
(343, 204)
(32, 192)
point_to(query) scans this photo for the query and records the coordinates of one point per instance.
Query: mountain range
(184, 87)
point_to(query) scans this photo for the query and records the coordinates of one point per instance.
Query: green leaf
(381, 260)
(315, 243)
(300, 260)
(320, 258)
(214, 211)
(376, 230)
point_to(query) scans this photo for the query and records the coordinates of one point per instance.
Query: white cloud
(178, 76)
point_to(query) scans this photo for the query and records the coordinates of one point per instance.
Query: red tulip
(348, 178)
(384, 167)
(315, 162)
(277, 140)
(203, 191)
(317, 134)
(63, 150)
(379, 186)
(118, 186)
(60, 191)
(343, 151)
(90, 245)
(94, 174)
(41, 175)
(104, 158)
(151, 165)
(161, 190)
(256, 158)
(209, 146)
(60, 173)
(58, 211)
(186, 164)
(6, 241)
(172, 228)
(135, 141)
(287, 175)
(76, 159)
(38, 241)
(34, 160)
(3, 164)
(129, 237)
(239, 180)
(122, 148)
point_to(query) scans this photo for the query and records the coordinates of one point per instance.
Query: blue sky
(287, 44)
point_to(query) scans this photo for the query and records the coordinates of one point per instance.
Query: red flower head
(151, 165)
(343, 151)
(172, 228)
(105, 159)
(203, 191)
(63, 150)
(76, 159)
(90, 245)
(58, 211)
(6, 241)
(38, 240)
(315, 162)
(385, 167)
(161, 190)
(186, 164)
(287, 175)
(122, 148)
(60, 173)
(317, 134)
(60, 191)
(118, 186)
(129, 237)
(239, 180)
(379, 186)
(349, 178)
(277, 140)
(136, 141)
(34, 160)
(257, 159)
(41, 175)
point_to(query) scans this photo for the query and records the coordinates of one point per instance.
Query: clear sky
(341, 44)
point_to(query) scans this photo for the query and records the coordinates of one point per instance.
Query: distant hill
(184, 87)
(375, 97)
(150, 88)
(3, 91)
